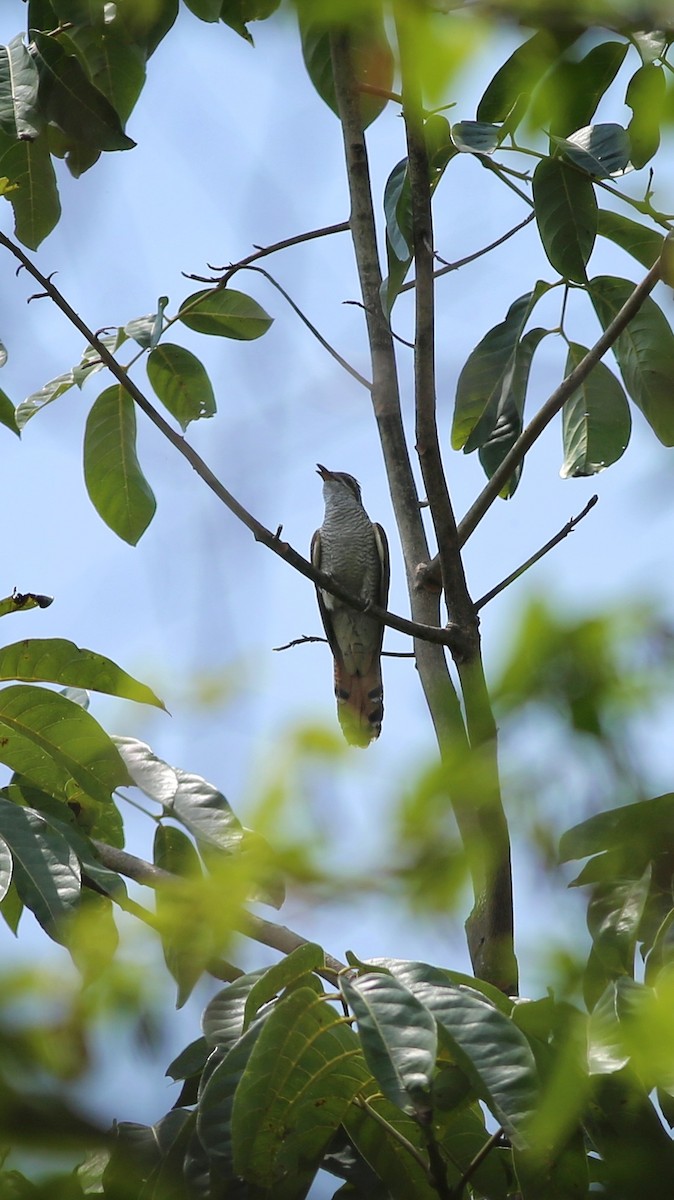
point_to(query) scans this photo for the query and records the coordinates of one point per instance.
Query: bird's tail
(360, 703)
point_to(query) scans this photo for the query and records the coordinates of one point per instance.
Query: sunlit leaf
(599, 150)
(115, 482)
(596, 420)
(224, 312)
(35, 198)
(19, 111)
(476, 137)
(46, 872)
(181, 382)
(37, 401)
(293, 966)
(57, 745)
(8, 414)
(91, 361)
(56, 660)
(399, 1038)
(6, 868)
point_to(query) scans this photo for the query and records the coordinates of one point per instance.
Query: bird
(354, 551)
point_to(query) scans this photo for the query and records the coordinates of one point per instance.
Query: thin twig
(285, 244)
(449, 636)
(312, 328)
(559, 537)
(306, 637)
(278, 937)
(457, 1191)
(463, 262)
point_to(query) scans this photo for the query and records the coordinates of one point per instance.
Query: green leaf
(205, 812)
(6, 868)
(38, 400)
(116, 485)
(566, 215)
(596, 421)
(236, 13)
(398, 211)
(642, 243)
(72, 102)
(476, 137)
(35, 200)
(371, 55)
(399, 1038)
(508, 418)
(46, 872)
(187, 952)
(224, 312)
(516, 78)
(573, 90)
(599, 150)
(205, 10)
(410, 973)
(151, 774)
(650, 44)
(181, 382)
(645, 826)
(190, 1062)
(644, 352)
(115, 66)
(294, 966)
(58, 746)
(8, 414)
(487, 372)
(56, 660)
(223, 1018)
(379, 1143)
(19, 112)
(303, 1073)
(488, 1047)
(144, 25)
(646, 93)
(637, 1154)
(613, 919)
(216, 1099)
(23, 601)
(11, 909)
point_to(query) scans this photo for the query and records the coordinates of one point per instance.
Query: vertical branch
(489, 921)
(441, 697)
(490, 926)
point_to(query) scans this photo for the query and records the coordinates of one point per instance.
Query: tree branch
(559, 537)
(490, 927)
(449, 636)
(278, 937)
(263, 251)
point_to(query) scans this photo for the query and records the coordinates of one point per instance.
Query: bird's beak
(323, 472)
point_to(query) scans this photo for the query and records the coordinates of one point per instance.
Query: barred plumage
(354, 550)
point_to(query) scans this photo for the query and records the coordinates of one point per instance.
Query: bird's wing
(381, 542)
(326, 618)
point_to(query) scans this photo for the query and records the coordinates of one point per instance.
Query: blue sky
(235, 149)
